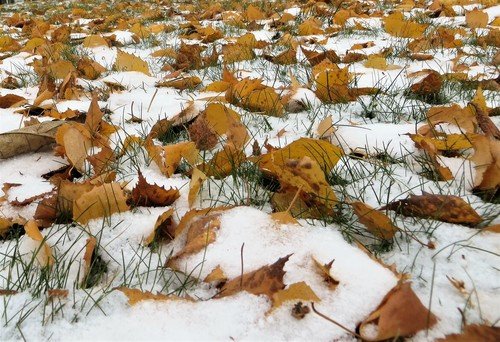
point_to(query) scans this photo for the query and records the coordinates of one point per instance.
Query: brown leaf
(11, 100)
(474, 333)
(400, 314)
(164, 227)
(266, 280)
(152, 195)
(429, 85)
(446, 208)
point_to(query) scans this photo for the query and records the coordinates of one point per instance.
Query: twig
(336, 323)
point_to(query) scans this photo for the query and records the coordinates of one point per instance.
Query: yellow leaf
(325, 128)
(236, 53)
(284, 217)
(135, 295)
(332, 85)
(218, 117)
(101, 201)
(294, 292)
(253, 13)
(128, 62)
(378, 62)
(476, 19)
(94, 41)
(189, 82)
(323, 270)
(449, 142)
(377, 223)
(264, 100)
(60, 69)
(395, 25)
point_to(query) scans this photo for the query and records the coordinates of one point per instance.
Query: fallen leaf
(474, 332)
(400, 314)
(28, 139)
(476, 19)
(101, 201)
(11, 100)
(129, 62)
(324, 271)
(152, 195)
(43, 252)
(266, 280)
(377, 223)
(197, 179)
(446, 208)
(294, 292)
(395, 25)
(135, 295)
(163, 227)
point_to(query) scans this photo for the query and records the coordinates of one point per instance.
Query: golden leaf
(101, 201)
(94, 41)
(135, 295)
(476, 19)
(128, 62)
(377, 223)
(163, 227)
(396, 25)
(294, 292)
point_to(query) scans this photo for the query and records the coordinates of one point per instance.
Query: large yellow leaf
(43, 252)
(377, 223)
(294, 292)
(397, 26)
(101, 201)
(128, 62)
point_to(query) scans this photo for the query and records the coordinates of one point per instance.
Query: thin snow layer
(363, 282)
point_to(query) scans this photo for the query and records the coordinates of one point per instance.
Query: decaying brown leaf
(474, 333)
(446, 208)
(28, 139)
(266, 280)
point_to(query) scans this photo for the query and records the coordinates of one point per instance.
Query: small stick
(335, 322)
(151, 102)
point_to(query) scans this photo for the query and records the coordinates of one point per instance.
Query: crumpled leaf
(102, 201)
(164, 227)
(28, 139)
(377, 223)
(324, 271)
(152, 195)
(266, 280)
(446, 208)
(400, 314)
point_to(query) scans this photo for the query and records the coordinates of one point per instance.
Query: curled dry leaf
(43, 252)
(377, 223)
(323, 270)
(266, 280)
(152, 195)
(164, 227)
(487, 159)
(28, 139)
(400, 314)
(11, 100)
(216, 276)
(102, 201)
(446, 208)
